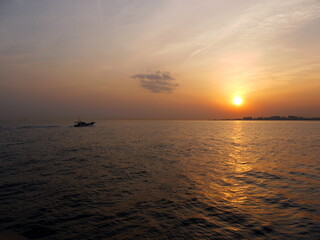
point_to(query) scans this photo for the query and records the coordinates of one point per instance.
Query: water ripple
(162, 180)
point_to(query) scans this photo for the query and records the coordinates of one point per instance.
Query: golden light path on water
(231, 185)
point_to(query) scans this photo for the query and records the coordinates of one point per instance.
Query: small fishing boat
(83, 124)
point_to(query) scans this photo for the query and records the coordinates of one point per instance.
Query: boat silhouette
(83, 124)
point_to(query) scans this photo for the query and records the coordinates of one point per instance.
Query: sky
(168, 59)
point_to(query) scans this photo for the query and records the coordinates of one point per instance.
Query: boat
(83, 124)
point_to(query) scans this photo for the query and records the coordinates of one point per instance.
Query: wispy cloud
(157, 81)
(261, 22)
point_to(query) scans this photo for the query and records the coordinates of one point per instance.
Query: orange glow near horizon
(223, 65)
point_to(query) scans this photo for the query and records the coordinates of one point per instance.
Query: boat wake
(35, 127)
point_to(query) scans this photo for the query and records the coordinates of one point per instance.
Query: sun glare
(237, 101)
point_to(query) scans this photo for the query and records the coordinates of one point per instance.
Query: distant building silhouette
(276, 118)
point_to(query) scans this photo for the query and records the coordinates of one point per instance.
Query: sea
(160, 180)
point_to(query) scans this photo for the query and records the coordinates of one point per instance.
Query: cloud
(157, 81)
(263, 21)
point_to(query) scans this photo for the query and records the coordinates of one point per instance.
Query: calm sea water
(161, 180)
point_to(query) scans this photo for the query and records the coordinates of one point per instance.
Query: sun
(237, 101)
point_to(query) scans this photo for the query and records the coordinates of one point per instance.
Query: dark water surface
(161, 180)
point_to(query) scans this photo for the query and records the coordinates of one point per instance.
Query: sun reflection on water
(232, 189)
(237, 155)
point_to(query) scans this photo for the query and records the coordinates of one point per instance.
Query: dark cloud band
(157, 82)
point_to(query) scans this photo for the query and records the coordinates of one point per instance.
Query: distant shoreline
(240, 119)
(274, 118)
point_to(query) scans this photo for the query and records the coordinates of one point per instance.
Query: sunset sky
(165, 59)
